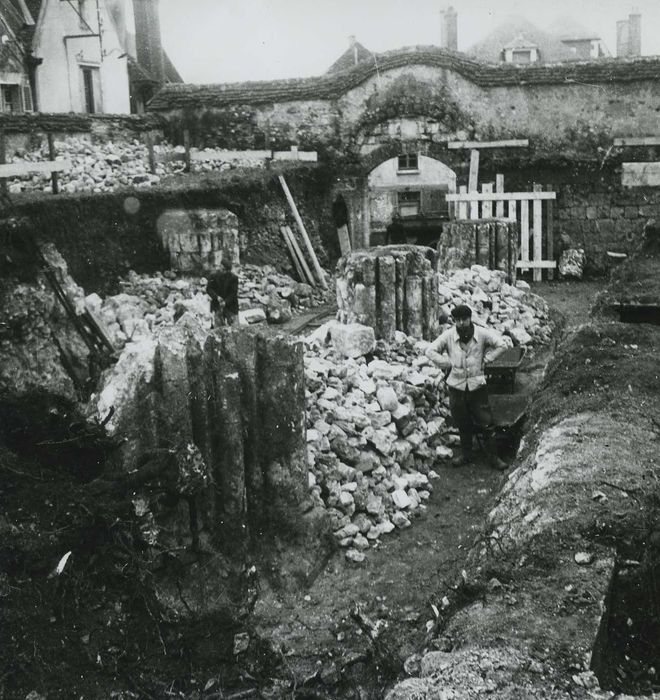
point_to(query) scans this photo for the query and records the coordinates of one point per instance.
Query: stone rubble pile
(104, 167)
(95, 167)
(148, 302)
(376, 427)
(511, 310)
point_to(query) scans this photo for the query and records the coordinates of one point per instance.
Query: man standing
(222, 287)
(465, 346)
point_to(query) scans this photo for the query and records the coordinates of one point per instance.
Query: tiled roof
(348, 59)
(332, 86)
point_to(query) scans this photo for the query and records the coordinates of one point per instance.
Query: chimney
(352, 44)
(449, 29)
(622, 38)
(634, 34)
(147, 38)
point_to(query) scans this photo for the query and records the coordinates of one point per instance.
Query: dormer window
(521, 56)
(520, 50)
(408, 163)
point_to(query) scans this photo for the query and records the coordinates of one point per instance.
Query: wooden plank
(473, 180)
(537, 233)
(344, 240)
(303, 231)
(524, 232)
(487, 207)
(640, 174)
(46, 166)
(637, 141)
(499, 187)
(505, 143)
(292, 253)
(506, 196)
(550, 233)
(301, 257)
(540, 264)
(461, 205)
(54, 177)
(227, 155)
(512, 213)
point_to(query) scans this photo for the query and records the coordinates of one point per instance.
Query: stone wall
(541, 102)
(592, 208)
(102, 236)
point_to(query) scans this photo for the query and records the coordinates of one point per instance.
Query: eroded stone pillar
(489, 242)
(389, 288)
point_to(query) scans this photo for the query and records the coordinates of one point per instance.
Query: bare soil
(94, 632)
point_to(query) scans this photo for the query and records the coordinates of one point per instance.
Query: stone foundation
(198, 239)
(238, 397)
(390, 288)
(492, 243)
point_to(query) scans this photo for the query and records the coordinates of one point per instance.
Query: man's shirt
(467, 359)
(225, 286)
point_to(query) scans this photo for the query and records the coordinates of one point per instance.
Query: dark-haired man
(461, 350)
(222, 287)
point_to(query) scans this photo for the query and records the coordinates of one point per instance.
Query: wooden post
(487, 207)
(54, 177)
(499, 187)
(537, 217)
(524, 232)
(512, 214)
(149, 143)
(186, 145)
(3, 160)
(462, 206)
(292, 253)
(301, 257)
(473, 179)
(550, 229)
(303, 231)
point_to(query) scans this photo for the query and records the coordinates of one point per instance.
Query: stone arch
(453, 159)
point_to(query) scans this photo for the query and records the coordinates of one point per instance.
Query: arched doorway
(413, 187)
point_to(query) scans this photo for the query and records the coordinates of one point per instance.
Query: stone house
(83, 65)
(81, 56)
(16, 64)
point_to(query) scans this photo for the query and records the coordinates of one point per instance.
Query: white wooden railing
(479, 205)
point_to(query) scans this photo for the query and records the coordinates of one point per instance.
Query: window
(27, 99)
(11, 98)
(521, 56)
(409, 203)
(91, 89)
(408, 162)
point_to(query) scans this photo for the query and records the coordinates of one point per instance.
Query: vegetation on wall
(409, 97)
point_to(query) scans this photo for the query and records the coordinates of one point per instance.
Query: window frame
(409, 199)
(407, 167)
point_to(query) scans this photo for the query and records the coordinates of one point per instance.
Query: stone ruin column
(390, 288)
(238, 396)
(489, 242)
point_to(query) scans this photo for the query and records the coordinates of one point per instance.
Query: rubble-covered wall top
(333, 86)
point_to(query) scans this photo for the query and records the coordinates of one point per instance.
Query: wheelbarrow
(501, 372)
(509, 413)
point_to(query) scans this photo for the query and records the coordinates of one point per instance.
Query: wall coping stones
(333, 86)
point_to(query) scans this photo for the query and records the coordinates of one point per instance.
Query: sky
(224, 41)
